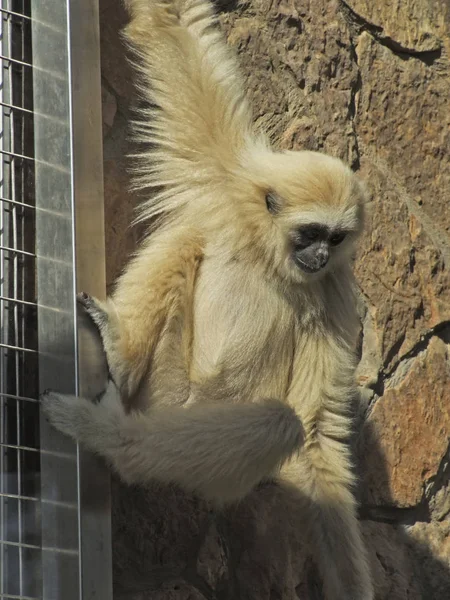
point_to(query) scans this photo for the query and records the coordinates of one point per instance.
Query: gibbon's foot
(74, 416)
(91, 306)
(66, 413)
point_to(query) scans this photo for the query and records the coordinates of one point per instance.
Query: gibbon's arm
(323, 470)
(220, 451)
(153, 298)
(197, 120)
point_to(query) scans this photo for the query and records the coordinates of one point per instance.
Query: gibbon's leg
(334, 527)
(323, 473)
(220, 451)
(155, 289)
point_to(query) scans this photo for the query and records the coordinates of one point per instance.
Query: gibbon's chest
(243, 343)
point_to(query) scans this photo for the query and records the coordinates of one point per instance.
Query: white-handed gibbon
(231, 334)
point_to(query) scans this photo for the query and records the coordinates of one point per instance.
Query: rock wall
(368, 82)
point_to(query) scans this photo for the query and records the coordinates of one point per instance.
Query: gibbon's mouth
(305, 267)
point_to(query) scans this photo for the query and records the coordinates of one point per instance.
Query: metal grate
(20, 575)
(54, 511)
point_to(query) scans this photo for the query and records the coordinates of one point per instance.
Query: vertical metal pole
(94, 493)
(75, 487)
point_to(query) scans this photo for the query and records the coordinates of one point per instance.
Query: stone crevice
(399, 371)
(395, 515)
(441, 330)
(442, 477)
(394, 377)
(355, 88)
(361, 24)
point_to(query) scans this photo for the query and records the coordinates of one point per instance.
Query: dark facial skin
(312, 245)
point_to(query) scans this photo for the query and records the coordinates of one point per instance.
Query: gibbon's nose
(322, 256)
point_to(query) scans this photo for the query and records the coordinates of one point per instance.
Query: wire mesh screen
(19, 453)
(54, 512)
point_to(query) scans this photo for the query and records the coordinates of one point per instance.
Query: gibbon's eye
(307, 235)
(337, 238)
(312, 234)
(272, 203)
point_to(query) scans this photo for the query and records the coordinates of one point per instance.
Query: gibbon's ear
(273, 203)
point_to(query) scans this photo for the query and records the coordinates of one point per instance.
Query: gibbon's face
(314, 244)
(315, 205)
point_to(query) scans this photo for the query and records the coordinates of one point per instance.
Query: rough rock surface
(368, 82)
(411, 426)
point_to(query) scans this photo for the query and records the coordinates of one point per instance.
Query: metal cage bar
(54, 499)
(20, 539)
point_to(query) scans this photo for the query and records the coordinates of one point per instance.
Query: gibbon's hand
(92, 307)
